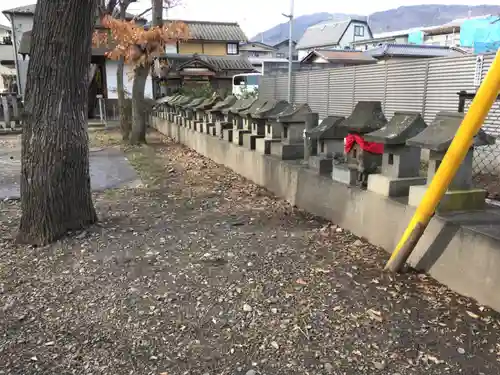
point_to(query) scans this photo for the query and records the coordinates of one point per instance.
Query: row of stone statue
(384, 156)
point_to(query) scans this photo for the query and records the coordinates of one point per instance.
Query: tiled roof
(253, 46)
(219, 63)
(341, 56)
(412, 50)
(5, 28)
(27, 9)
(30, 10)
(323, 34)
(285, 41)
(216, 31)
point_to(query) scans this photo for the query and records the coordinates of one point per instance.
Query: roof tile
(216, 31)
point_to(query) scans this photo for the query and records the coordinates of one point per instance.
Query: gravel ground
(201, 272)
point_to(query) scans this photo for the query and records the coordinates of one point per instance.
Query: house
(448, 34)
(282, 50)
(257, 49)
(261, 54)
(389, 53)
(104, 70)
(211, 55)
(333, 35)
(6, 48)
(21, 19)
(337, 58)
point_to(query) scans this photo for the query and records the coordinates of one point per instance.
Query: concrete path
(108, 169)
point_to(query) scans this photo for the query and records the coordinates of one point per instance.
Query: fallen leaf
(301, 281)
(376, 315)
(472, 315)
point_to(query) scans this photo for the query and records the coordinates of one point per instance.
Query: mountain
(401, 18)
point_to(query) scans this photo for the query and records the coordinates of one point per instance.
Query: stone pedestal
(258, 130)
(263, 145)
(238, 135)
(322, 164)
(272, 135)
(400, 171)
(341, 173)
(461, 194)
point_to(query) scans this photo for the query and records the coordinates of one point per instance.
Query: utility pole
(290, 49)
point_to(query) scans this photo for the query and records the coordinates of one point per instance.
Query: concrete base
(287, 152)
(344, 175)
(321, 164)
(238, 136)
(453, 200)
(455, 248)
(392, 186)
(227, 135)
(263, 145)
(249, 140)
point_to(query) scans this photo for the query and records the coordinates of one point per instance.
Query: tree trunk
(55, 180)
(139, 106)
(122, 104)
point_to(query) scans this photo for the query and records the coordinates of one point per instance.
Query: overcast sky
(258, 15)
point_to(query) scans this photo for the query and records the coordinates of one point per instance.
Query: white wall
(349, 36)
(21, 24)
(111, 67)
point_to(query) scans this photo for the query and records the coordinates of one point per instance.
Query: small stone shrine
(246, 121)
(202, 115)
(169, 103)
(226, 124)
(189, 112)
(328, 143)
(436, 138)
(215, 115)
(400, 163)
(235, 118)
(358, 163)
(179, 109)
(293, 122)
(272, 131)
(171, 107)
(258, 121)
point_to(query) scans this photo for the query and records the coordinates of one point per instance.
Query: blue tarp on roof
(416, 37)
(480, 33)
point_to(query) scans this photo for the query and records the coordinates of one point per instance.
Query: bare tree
(55, 180)
(118, 8)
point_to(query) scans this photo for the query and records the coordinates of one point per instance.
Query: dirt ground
(201, 272)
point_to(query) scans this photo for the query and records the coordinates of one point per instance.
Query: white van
(247, 82)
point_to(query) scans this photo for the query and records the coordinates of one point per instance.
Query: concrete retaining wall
(461, 250)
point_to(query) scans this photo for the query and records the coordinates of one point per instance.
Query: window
(232, 49)
(280, 55)
(359, 31)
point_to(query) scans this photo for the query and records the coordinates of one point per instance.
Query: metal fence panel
(446, 77)
(281, 92)
(318, 92)
(266, 88)
(405, 87)
(341, 94)
(300, 87)
(369, 83)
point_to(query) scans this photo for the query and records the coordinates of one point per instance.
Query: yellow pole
(478, 110)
